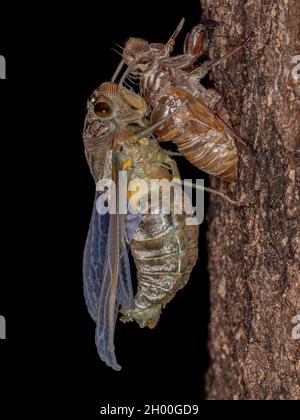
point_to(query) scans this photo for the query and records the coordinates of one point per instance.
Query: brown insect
(200, 128)
(163, 245)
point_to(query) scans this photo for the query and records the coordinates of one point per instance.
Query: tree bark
(254, 248)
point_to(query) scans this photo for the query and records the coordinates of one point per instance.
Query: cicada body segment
(165, 252)
(201, 137)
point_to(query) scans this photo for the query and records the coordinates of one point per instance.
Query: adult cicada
(163, 245)
(200, 128)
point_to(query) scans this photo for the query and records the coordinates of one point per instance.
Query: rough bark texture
(254, 250)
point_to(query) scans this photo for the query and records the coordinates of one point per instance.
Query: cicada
(200, 129)
(164, 246)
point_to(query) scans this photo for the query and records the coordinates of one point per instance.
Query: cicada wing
(109, 300)
(133, 222)
(105, 326)
(107, 284)
(93, 259)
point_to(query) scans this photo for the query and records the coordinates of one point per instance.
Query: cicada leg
(173, 168)
(196, 42)
(135, 101)
(139, 108)
(202, 70)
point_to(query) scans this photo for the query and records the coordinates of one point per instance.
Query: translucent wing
(133, 222)
(107, 280)
(116, 290)
(93, 259)
(108, 301)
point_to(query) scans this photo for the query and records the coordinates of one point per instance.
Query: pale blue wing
(93, 259)
(133, 221)
(109, 301)
(98, 269)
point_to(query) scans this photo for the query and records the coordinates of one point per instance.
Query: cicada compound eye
(103, 107)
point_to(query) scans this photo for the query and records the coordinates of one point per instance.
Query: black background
(55, 59)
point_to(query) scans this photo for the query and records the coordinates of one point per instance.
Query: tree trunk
(254, 248)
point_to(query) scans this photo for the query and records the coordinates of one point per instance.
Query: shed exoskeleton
(200, 128)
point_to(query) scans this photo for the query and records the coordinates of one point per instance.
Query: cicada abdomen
(165, 251)
(200, 136)
(164, 245)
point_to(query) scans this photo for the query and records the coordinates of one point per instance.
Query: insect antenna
(119, 46)
(116, 51)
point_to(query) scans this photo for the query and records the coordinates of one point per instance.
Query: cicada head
(134, 48)
(141, 56)
(104, 120)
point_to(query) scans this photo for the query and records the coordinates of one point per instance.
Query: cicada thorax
(164, 246)
(201, 137)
